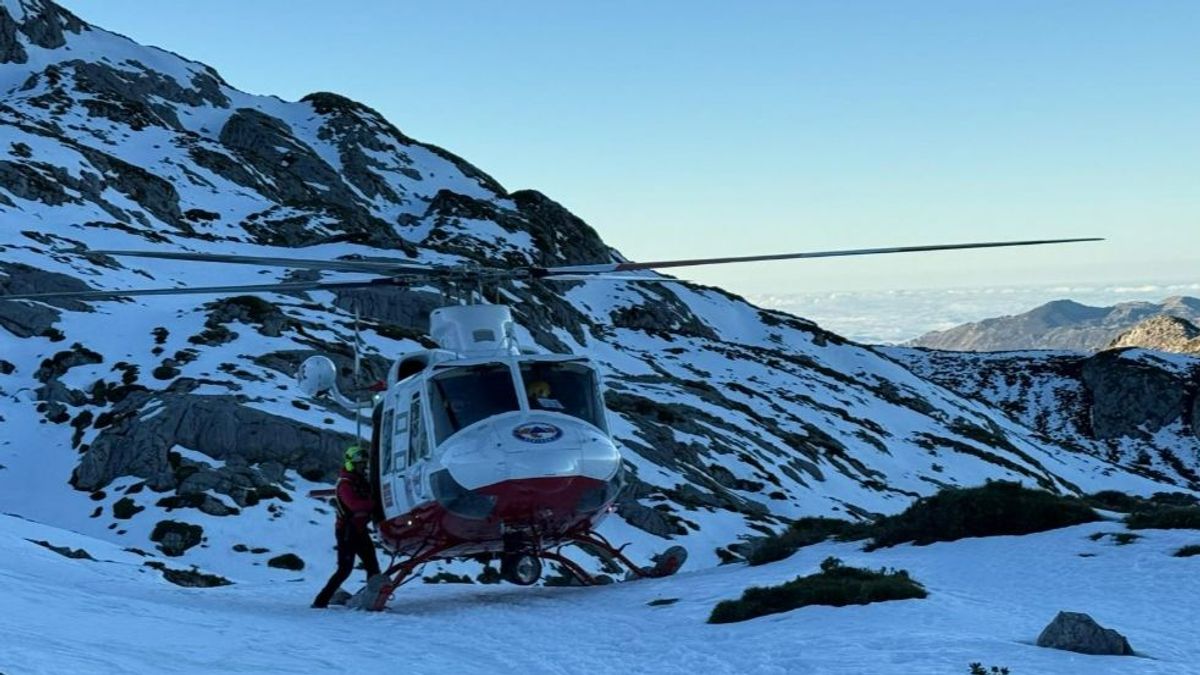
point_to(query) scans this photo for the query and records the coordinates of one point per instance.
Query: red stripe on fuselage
(546, 508)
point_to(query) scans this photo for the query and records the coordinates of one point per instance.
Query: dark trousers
(352, 542)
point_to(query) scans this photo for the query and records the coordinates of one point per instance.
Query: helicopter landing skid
(665, 563)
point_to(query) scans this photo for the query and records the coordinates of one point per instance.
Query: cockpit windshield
(563, 387)
(460, 397)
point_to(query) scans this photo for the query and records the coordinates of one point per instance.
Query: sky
(701, 128)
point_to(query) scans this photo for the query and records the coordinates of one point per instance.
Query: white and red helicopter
(483, 447)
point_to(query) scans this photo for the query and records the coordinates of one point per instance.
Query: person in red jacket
(354, 506)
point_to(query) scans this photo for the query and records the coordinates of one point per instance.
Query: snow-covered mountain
(169, 422)
(1061, 324)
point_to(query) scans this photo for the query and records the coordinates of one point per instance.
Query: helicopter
(481, 447)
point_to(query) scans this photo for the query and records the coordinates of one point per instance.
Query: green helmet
(354, 457)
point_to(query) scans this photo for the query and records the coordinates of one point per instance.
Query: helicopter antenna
(357, 382)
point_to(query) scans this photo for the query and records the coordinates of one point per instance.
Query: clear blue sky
(682, 129)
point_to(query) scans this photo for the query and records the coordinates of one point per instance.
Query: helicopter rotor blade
(631, 266)
(202, 290)
(613, 277)
(364, 266)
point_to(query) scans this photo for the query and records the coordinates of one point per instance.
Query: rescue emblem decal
(537, 432)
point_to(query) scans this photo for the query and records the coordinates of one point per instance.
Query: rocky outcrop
(25, 319)
(143, 429)
(1077, 632)
(1130, 397)
(1162, 333)
(1061, 324)
(40, 23)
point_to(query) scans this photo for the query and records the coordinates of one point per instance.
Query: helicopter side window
(463, 396)
(416, 432)
(568, 388)
(400, 444)
(384, 433)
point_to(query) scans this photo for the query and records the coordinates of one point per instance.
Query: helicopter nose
(532, 446)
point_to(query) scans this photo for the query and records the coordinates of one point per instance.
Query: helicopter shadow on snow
(473, 597)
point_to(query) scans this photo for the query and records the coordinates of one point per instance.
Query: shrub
(801, 533)
(1165, 518)
(835, 585)
(448, 578)
(1111, 500)
(192, 578)
(996, 508)
(1188, 551)
(978, 669)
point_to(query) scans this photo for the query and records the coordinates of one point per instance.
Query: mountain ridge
(1059, 324)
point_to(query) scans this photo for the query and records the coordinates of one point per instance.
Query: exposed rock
(295, 170)
(1130, 398)
(124, 509)
(45, 24)
(665, 314)
(287, 561)
(250, 309)
(11, 49)
(1078, 632)
(1163, 333)
(174, 537)
(137, 443)
(23, 318)
(65, 551)
(559, 235)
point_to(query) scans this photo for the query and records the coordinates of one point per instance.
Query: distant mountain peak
(1164, 333)
(1059, 324)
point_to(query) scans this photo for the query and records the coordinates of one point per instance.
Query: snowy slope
(988, 600)
(120, 415)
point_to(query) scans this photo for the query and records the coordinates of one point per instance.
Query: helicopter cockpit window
(568, 388)
(463, 396)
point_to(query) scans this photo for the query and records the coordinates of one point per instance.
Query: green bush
(801, 533)
(1111, 500)
(1188, 551)
(835, 585)
(1165, 518)
(996, 508)
(978, 669)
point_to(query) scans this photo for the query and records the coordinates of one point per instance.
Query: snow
(988, 600)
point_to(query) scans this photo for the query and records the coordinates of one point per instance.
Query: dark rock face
(1078, 632)
(141, 98)
(267, 144)
(174, 538)
(1130, 398)
(139, 438)
(11, 49)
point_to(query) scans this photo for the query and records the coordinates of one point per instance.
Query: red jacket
(354, 503)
